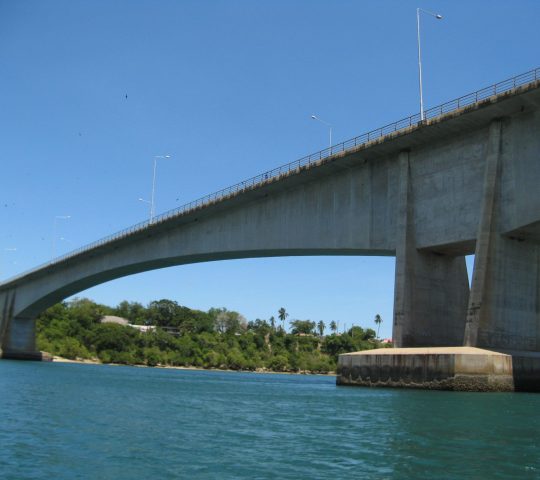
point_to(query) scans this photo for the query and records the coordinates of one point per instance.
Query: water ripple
(68, 421)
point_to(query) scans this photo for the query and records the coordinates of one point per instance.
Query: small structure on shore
(114, 319)
(142, 328)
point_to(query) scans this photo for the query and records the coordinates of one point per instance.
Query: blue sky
(227, 88)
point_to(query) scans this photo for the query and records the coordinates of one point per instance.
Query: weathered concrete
(439, 368)
(504, 304)
(431, 290)
(525, 370)
(462, 183)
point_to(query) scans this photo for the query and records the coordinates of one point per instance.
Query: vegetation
(282, 315)
(181, 336)
(378, 321)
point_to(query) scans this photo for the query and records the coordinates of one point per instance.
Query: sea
(71, 421)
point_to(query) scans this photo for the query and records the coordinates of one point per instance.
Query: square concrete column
(431, 290)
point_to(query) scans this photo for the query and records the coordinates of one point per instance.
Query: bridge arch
(429, 193)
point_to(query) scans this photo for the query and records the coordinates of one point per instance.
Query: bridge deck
(468, 111)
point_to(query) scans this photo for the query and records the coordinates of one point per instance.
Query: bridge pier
(504, 305)
(17, 335)
(431, 290)
(503, 311)
(19, 341)
(493, 333)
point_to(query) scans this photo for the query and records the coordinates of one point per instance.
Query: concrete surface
(449, 368)
(462, 183)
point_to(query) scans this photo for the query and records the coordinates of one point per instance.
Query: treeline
(218, 338)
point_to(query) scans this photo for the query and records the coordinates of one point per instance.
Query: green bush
(279, 363)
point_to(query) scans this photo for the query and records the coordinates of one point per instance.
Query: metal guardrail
(292, 167)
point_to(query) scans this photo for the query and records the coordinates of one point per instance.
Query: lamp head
(438, 17)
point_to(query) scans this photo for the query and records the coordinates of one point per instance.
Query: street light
(314, 117)
(152, 204)
(438, 17)
(56, 218)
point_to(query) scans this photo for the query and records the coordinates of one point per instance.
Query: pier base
(441, 368)
(35, 356)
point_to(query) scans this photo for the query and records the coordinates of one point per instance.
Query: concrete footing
(441, 368)
(35, 356)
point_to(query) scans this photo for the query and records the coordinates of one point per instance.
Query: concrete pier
(440, 368)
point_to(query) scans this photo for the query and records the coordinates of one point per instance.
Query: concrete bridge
(463, 181)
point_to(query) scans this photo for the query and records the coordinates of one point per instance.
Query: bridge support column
(17, 335)
(20, 340)
(7, 301)
(504, 306)
(431, 290)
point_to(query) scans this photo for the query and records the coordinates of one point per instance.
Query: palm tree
(333, 326)
(273, 323)
(321, 326)
(378, 321)
(282, 315)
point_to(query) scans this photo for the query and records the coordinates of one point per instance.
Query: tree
(87, 312)
(227, 321)
(321, 326)
(356, 331)
(306, 327)
(273, 323)
(109, 336)
(333, 326)
(282, 315)
(378, 321)
(194, 321)
(359, 333)
(133, 311)
(259, 326)
(163, 313)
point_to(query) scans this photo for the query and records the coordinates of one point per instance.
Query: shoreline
(57, 359)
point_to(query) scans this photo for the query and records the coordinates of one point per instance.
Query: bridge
(462, 181)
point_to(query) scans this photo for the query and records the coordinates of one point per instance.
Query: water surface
(70, 421)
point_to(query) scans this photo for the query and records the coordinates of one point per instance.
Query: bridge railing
(292, 167)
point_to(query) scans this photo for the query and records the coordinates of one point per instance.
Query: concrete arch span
(462, 183)
(31, 307)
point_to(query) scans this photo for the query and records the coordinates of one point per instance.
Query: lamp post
(438, 17)
(56, 218)
(152, 204)
(314, 117)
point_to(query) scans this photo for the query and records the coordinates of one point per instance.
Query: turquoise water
(69, 421)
